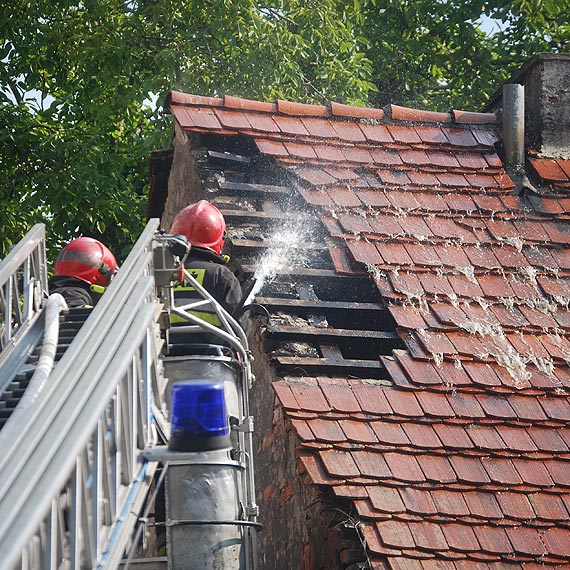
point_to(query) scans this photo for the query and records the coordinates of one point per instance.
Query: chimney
(546, 81)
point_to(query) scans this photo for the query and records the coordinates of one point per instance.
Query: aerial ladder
(104, 415)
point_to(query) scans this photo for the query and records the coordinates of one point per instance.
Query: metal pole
(513, 123)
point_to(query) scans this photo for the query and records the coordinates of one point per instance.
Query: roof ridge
(334, 110)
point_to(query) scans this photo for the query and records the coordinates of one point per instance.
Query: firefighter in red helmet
(83, 269)
(204, 227)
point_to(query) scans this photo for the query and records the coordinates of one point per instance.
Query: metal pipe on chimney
(513, 123)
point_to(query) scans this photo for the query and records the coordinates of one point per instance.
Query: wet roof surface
(462, 460)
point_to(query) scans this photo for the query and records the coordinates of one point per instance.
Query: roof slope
(463, 460)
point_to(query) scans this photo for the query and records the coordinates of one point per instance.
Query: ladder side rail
(23, 283)
(83, 348)
(100, 531)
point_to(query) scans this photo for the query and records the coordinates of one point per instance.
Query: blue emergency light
(199, 418)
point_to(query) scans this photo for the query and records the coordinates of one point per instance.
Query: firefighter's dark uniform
(77, 293)
(210, 270)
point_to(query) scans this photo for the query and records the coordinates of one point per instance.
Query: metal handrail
(23, 284)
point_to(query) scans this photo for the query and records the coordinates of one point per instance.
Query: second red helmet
(202, 224)
(87, 259)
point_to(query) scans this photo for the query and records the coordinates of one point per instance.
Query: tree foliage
(76, 125)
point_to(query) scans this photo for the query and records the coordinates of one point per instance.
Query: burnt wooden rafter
(321, 322)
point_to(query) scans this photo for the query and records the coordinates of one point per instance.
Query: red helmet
(202, 224)
(87, 259)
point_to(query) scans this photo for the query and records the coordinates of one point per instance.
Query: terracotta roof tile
(364, 252)
(308, 394)
(315, 469)
(386, 499)
(358, 431)
(460, 137)
(376, 133)
(197, 117)
(339, 394)
(316, 197)
(407, 316)
(396, 534)
(486, 437)
(483, 505)
(371, 464)
(556, 408)
(432, 135)
(429, 536)
(494, 406)
(548, 507)
(460, 537)
(559, 471)
(402, 199)
(423, 179)
(515, 505)
(342, 196)
(189, 99)
(319, 127)
(300, 150)
(492, 539)
(455, 180)
(301, 109)
(469, 117)
(326, 430)
(488, 138)
(469, 469)
(435, 405)
(463, 287)
(232, 102)
(406, 114)
(533, 472)
(340, 260)
(371, 396)
(548, 169)
(290, 125)
(373, 198)
(315, 176)
(414, 157)
(393, 177)
(504, 181)
(329, 153)
(421, 371)
(422, 435)
(351, 111)
(450, 503)
(355, 154)
(404, 467)
(436, 469)
(443, 159)
(403, 403)
(418, 502)
(303, 430)
(453, 437)
(348, 131)
(501, 471)
(275, 148)
(339, 463)
(403, 134)
(395, 254)
(343, 174)
(526, 540)
(557, 540)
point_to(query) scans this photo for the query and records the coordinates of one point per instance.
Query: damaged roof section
(459, 453)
